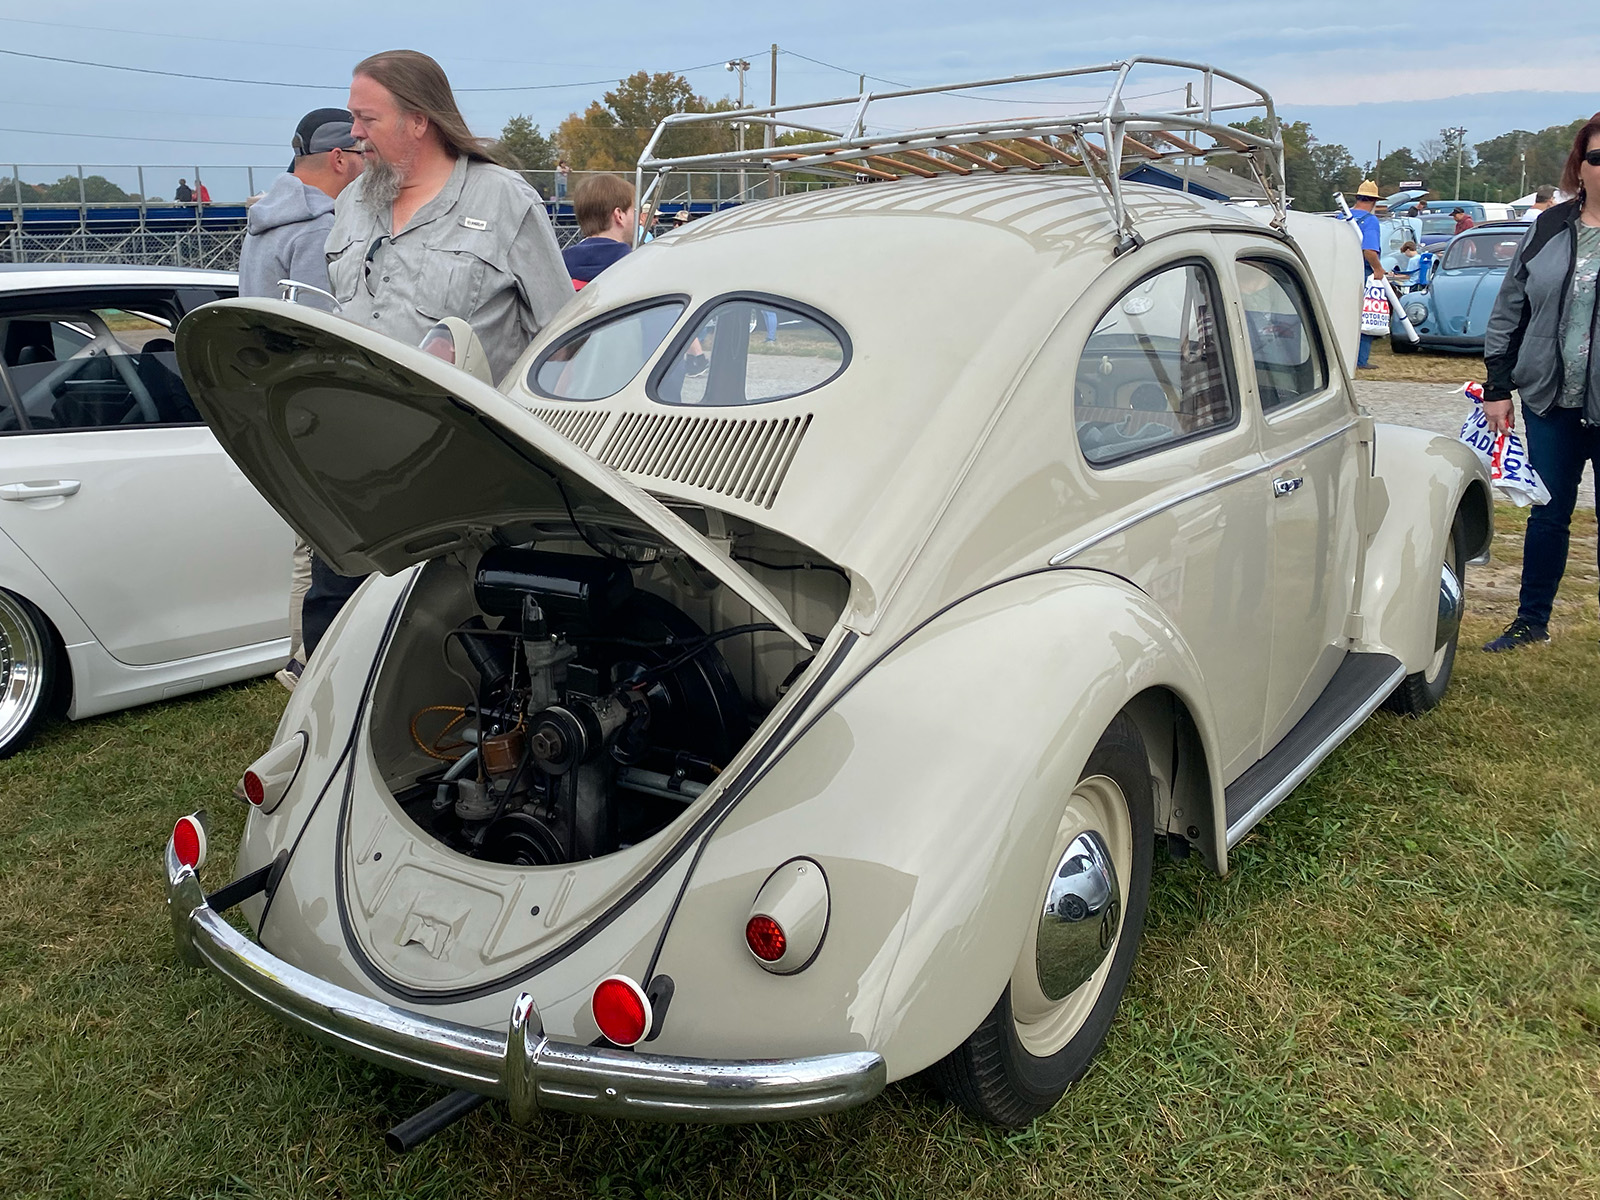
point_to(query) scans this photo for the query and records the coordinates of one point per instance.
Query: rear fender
(929, 793)
(1428, 480)
(324, 705)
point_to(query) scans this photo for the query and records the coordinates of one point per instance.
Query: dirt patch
(1422, 366)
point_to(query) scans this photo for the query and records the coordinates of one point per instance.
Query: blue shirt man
(1366, 199)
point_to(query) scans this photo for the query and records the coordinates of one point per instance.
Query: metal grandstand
(1099, 138)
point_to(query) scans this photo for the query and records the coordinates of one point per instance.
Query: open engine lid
(383, 456)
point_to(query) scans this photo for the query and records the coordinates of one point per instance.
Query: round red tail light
(189, 842)
(621, 1009)
(766, 938)
(254, 790)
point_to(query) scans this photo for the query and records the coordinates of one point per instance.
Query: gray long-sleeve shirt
(482, 250)
(286, 232)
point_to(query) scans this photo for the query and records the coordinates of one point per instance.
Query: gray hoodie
(288, 232)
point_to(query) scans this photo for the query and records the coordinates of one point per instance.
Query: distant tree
(522, 147)
(1499, 161)
(612, 132)
(97, 189)
(1313, 170)
(1397, 166)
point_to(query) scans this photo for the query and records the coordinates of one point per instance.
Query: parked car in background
(1451, 311)
(747, 712)
(136, 562)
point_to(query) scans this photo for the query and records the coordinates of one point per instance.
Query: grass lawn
(1394, 994)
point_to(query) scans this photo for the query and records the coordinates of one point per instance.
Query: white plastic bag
(1507, 457)
(1375, 309)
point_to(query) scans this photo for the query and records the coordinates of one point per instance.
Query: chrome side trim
(1327, 746)
(521, 1065)
(1062, 557)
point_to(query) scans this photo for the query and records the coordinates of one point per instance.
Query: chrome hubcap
(21, 668)
(1082, 914)
(1451, 605)
(1059, 976)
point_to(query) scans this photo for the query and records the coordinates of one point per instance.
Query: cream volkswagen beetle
(781, 684)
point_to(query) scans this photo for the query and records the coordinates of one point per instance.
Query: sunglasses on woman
(1592, 158)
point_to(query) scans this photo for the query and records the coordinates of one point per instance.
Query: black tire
(29, 671)
(1402, 345)
(993, 1075)
(1421, 691)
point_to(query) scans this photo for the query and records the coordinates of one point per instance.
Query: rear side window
(751, 350)
(1154, 371)
(1283, 337)
(602, 358)
(91, 368)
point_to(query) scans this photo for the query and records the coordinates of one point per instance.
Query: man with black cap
(288, 227)
(287, 231)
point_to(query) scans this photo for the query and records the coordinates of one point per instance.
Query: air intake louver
(578, 425)
(744, 459)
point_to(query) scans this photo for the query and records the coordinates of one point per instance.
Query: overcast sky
(1360, 73)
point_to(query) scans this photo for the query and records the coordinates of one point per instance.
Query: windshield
(1488, 250)
(600, 360)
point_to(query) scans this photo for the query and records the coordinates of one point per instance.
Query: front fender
(929, 792)
(1428, 478)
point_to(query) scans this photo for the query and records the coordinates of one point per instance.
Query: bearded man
(433, 228)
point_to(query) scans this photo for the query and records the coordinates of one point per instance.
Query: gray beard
(380, 185)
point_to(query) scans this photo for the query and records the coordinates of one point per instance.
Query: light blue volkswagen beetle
(1451, 311)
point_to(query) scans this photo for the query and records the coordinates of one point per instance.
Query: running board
(1358, 687)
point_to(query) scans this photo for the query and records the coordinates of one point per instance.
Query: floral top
(1578, 320)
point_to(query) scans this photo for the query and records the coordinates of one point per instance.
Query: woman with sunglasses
(1540, 341)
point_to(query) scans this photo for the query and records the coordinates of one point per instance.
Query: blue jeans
(1366, 349)
(1558, 447)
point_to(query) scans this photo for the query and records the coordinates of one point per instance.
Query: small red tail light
(189, 841)
(621, 1009)
(766, 938)
(254, 790)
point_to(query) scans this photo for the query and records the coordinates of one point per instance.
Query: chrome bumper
(520, 1066)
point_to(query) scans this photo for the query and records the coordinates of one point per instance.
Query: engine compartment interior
(553, 702)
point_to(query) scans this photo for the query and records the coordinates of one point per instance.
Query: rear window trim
(530, 377)
(686, 334)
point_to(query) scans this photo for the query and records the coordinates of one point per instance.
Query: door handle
(39, 489)
(1282, 487)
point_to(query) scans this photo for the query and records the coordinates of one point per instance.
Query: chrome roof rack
(1098, 137)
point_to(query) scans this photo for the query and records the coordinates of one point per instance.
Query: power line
(79, 62)
(326, 87)
(115, 137)
(302, 47)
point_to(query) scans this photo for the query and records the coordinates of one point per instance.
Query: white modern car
(136, 562)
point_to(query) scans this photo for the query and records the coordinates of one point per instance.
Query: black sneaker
(1518, 634)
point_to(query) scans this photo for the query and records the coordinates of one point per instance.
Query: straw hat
(1368, 189)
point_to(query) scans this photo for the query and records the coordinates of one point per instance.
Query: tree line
(611, 133)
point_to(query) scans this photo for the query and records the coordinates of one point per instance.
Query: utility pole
(770, 137)
(1522, 179)
(741, 66)
(1377, 167)
(1459, 133)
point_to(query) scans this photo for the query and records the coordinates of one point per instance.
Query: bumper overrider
(521, 1066)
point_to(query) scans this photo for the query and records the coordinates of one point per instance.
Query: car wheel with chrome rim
(1064, 990)
(1421, 691)
(27, 671)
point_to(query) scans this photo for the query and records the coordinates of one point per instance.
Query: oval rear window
(600, 359)
(751, 350)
